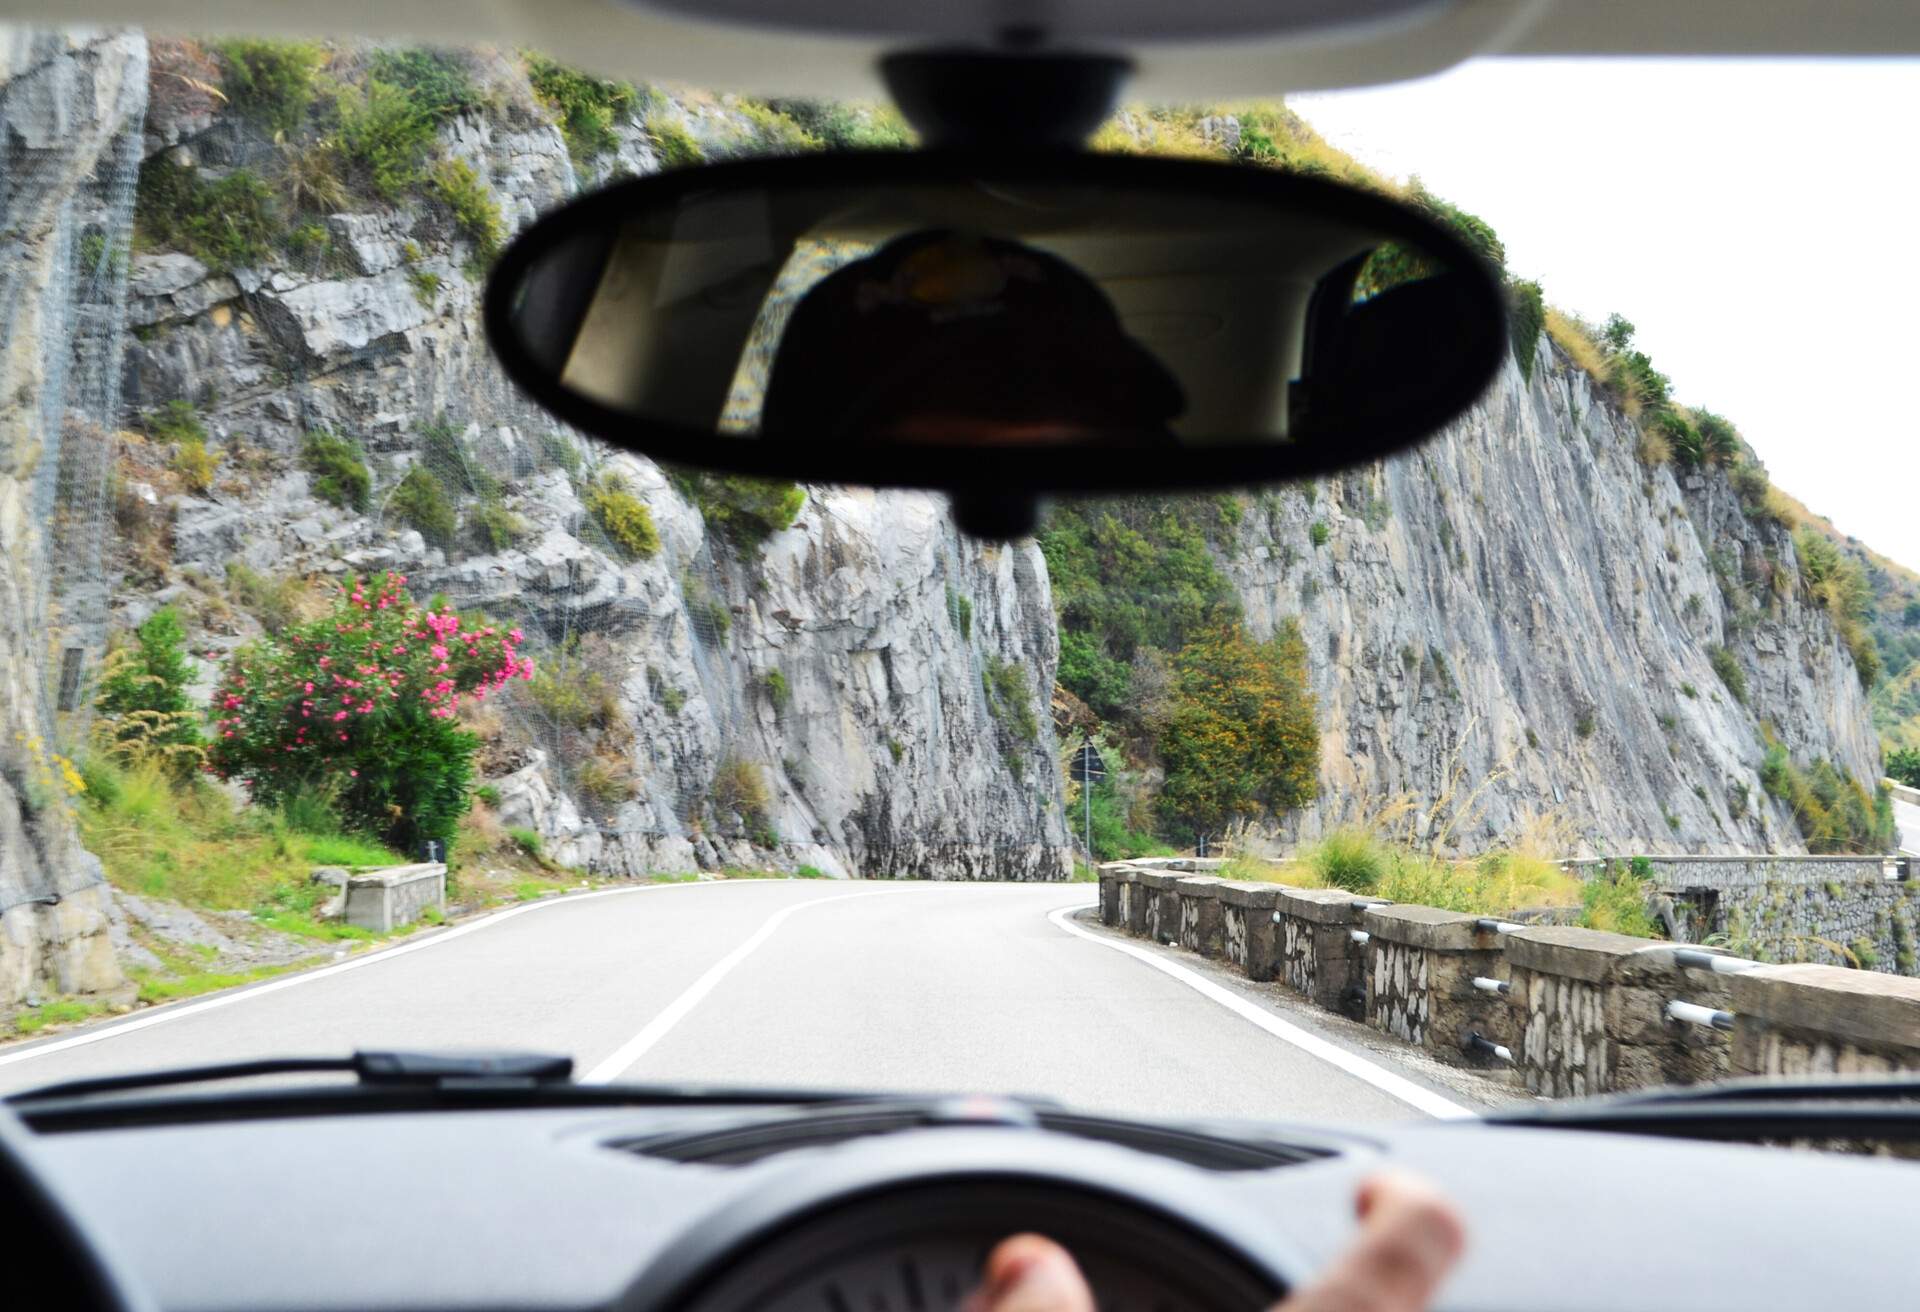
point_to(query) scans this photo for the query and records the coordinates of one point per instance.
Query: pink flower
(339, 715)
(309, 687)
(356, 775)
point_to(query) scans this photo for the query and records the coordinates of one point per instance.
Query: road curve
(937, 987)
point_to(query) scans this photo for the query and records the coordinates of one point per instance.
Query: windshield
(348, 700)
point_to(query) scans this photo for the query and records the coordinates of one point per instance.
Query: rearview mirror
(998, 325)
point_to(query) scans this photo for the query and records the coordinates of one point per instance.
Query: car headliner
(1197, 49)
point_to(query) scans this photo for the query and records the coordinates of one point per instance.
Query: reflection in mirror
(995, 313)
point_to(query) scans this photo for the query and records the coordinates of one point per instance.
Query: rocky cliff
(70, 114)
(840, 665)
(1519, 622)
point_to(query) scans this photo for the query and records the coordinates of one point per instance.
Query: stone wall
(1833, 910)
(1567, 1011)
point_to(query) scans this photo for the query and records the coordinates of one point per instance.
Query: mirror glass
(976, 310)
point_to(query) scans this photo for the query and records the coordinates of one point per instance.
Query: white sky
(1758, 222)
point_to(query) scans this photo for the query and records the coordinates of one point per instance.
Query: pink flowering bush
(363, 705)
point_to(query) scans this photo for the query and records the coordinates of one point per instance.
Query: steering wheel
(35, 1221)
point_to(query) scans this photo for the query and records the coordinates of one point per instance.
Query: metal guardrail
(1692, 1013)
(1694, 959)
(1478, 1043)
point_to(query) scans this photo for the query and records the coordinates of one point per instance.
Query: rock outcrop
(1518, 623)
(71, 106)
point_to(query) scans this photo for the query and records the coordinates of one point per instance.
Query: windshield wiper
(385, 1081)
(1882, 1108)
(516, 1069)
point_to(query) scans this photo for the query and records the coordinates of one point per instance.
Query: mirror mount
(995, 516)
(990, 99)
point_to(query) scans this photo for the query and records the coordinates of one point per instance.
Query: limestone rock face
(71, 106)
(1524, 614)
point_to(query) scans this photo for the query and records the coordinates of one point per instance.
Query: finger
(1410, 1238)
(1030, 1273)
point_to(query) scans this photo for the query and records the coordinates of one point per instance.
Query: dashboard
(704, 1210)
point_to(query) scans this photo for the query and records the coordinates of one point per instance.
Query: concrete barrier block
(384, 900)
(1420, 967)
(1804, 1019)
(1248, 932)
(1162, 894)
(1200, 926)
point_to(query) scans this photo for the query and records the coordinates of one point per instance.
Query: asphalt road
(937, 987)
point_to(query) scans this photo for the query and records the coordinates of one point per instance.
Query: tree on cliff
(142, 699)
(1241, 740)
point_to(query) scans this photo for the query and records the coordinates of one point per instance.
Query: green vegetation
(777, 691)
(1358, 860)
(960, 607)
(494, 527)
(739, 787)
(527, 840)
(225, 224)
(436, 80)
(421, 502)
(841, 125)
(339, 469)
(588, 107)
(275, 602)
(1834, 812)
(385, 133)
(1318, 533)
(623, 516)
(745, 511)
(1616, 899)
(65, 1011)
(1903, 766)
(271, 82)
(426, 286)
(1526, 315)
(774, 132)
(1240, 739)
(1132, 581)
(1728, 668)
(1839, 585)
(574, 695)
(475, 212)
(143, 700)
(674, 145)
(360, 708)
(1010, 699)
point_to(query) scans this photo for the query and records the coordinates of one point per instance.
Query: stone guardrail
(1901, 792)
(1564, 1011)
(384, 900)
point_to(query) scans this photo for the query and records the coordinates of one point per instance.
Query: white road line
(1394, 1086)
(180, 1011)
(656, 1029)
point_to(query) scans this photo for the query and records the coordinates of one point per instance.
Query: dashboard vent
(743, 1143)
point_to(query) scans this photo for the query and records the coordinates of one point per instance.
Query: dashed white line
(1394, 1086)
(180, 1011)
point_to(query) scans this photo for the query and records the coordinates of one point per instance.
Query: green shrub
(624, 517)
(1615, 899)
(1010, 699)
(560, 452)
(176, 421)
(340, 474)
(774, 132)
(1348, 858)
(386, 134)
(603, 781)
(1903, 766)
(421, 502)
(740, 787)
(1728, 668)
(437, 80)
(1585, 723)
(1241, 740)
(811, 872)
(573, 695)
(271, 82)
(1719, 440)
(712, 620)
(960, 608)
(289, 718)
(475, 212)
(1526, 315)
(1318, 532)
(226, 224)
(777, 691)
(142, 698)
(745, 511)
(274, 602)
(494, 527)
(1751, 486)
(527, 840)
(426, 286)
(842, 126)
(1835, 814)
(588, 107)
(672, 143)
(1688, 691)
(487, 793)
